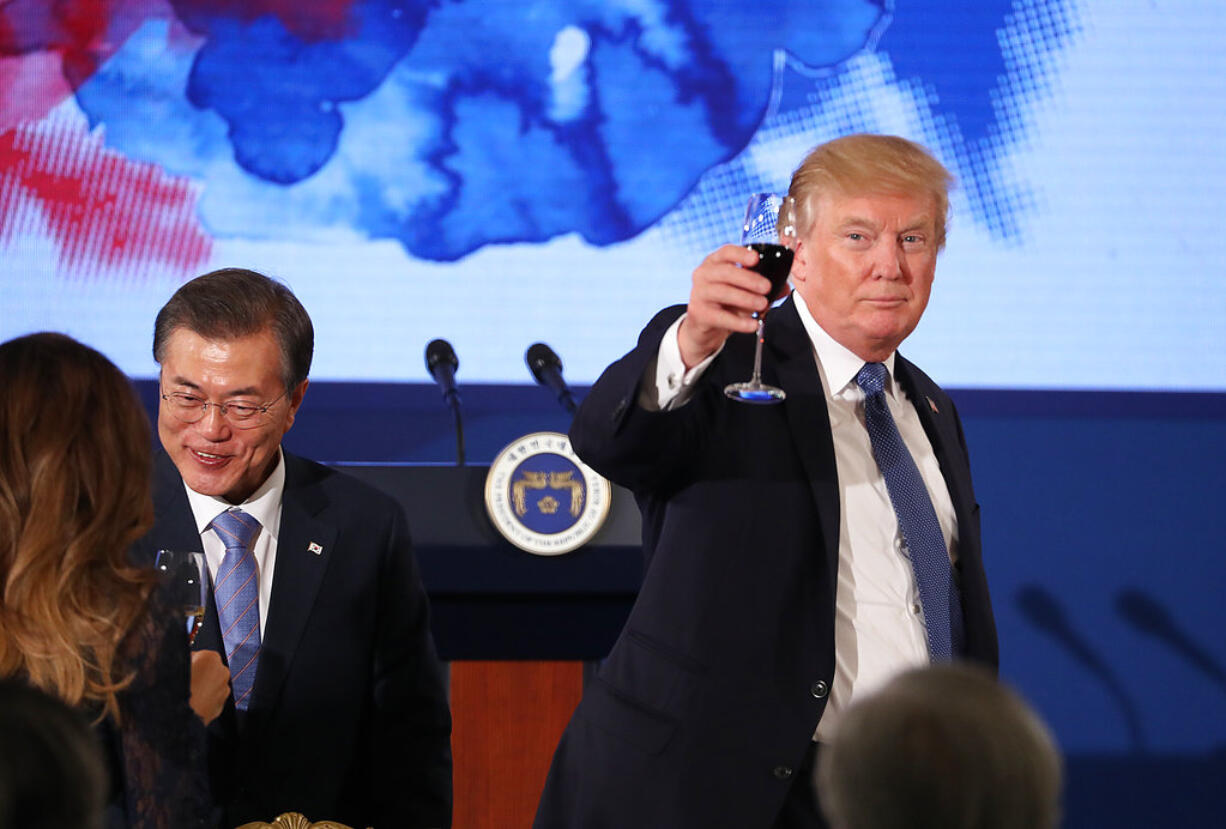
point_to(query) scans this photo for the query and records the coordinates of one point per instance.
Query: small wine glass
(188, 582)
(770, 229)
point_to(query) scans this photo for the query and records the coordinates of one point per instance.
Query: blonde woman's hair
(75, 467)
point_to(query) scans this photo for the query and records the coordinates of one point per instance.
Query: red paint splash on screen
(86, 23)
(48, 49)
(104, 213)
(30, 87)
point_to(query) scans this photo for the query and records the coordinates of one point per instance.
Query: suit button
(820, 689)
(782, 772)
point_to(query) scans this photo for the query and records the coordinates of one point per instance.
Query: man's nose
(214, 424)
(889, 262)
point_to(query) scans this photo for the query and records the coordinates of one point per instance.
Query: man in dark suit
(338, 708)
(794, 560)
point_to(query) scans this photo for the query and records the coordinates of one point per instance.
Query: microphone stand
(442, 363)
(454, 404)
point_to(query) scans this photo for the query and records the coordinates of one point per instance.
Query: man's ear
(800, 263)
(295, 400)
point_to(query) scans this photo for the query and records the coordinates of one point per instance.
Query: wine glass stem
(757, 352)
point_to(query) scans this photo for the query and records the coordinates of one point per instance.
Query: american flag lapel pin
(933, 406)
(315, 548)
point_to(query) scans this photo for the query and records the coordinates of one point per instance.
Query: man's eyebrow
(923, 222)
(243, 392)
(858, 221)
(183, 381)
(920, 223)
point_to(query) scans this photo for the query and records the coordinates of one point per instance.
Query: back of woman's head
(52, 772)
(75, 462)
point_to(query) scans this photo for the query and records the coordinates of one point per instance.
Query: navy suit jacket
(710, 697)
(348, 718)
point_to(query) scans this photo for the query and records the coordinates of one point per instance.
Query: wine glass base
(756, 393)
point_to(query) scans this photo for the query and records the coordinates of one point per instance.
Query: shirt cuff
(666, 384)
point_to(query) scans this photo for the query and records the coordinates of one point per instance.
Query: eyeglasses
(191, 409)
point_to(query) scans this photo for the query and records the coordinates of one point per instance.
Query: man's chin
(203, 480)
(206, 486)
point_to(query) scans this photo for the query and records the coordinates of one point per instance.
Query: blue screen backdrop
(498, 173)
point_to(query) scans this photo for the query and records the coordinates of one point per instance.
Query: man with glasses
(338, 708)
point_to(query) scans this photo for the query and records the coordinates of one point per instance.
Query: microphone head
(540, 357)
(439, 353)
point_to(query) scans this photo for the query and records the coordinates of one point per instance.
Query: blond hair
(75, 467)
(869, 164)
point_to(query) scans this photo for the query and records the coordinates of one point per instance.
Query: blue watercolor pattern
(448, 126)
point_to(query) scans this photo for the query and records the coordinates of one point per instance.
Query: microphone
(546, 368)
(442, 363)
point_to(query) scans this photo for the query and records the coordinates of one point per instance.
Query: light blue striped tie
(237, 596)
(917, 519)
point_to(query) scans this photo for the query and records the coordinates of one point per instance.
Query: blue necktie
(237, 596)
(917, 519)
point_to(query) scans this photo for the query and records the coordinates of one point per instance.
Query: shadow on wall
(1137, 788)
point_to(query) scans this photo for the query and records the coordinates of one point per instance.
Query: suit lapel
(938, 426)
(304, 546)
(174, 528)
(791, 355)
(174, 525)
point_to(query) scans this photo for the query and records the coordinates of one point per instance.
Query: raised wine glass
(770, 229)
(187, 582)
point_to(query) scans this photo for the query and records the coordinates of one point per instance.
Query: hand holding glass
(187, 581)
(769, 229)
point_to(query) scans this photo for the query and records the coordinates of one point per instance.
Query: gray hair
(234, 302)
(945, 746)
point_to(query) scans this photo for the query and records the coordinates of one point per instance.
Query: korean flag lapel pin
(315, 548)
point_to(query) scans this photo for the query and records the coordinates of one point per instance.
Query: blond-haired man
(797, 555)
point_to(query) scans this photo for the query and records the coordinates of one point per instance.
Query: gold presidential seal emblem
(542, 498)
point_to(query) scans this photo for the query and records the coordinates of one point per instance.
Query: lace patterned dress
(156, 752)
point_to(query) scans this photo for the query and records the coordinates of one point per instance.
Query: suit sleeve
(411, 717)
(641, 450)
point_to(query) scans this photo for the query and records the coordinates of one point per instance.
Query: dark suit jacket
(710, 696)
(348, 718)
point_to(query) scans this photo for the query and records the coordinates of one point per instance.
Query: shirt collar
(264, 505)
(840, 365)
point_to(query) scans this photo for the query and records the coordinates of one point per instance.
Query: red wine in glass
(769, 229)
(775, 263)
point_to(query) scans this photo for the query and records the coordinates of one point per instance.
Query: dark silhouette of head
(946, 747)
(52, 774)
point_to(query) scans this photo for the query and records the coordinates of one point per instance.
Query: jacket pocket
(625, 718)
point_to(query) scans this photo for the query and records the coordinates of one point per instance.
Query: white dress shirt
(879, 625)
(264, 505)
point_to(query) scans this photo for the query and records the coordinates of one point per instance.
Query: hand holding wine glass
(210, 686)
(187, 582)
(770, 230)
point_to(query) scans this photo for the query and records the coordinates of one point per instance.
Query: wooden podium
(515, 629)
